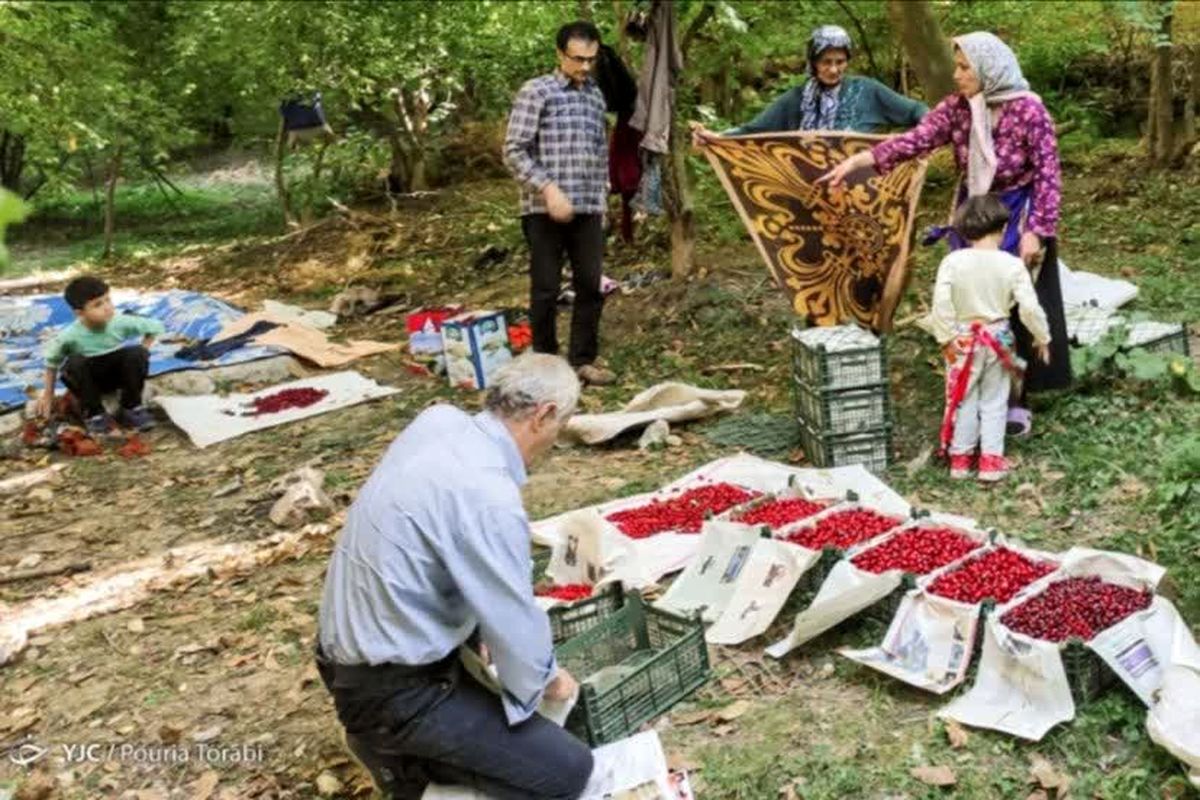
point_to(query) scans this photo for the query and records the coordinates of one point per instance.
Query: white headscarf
(1000, 80)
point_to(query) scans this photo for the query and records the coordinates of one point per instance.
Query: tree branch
(862, 35)
(707, 11)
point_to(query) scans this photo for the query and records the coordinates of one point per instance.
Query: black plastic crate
(871, 448)
(660, 659)
(572, 619)
(839, 369)
(842, 410)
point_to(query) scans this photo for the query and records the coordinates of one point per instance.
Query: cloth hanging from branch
(840, 255)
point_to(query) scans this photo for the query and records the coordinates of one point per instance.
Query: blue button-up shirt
(556, 133)
(437, 543)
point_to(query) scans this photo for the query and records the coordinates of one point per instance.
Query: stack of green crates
(840, 385)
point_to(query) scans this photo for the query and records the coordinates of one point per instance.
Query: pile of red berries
(568, 592)
(843, 529)
(778, 513)
(287, 398)
(1075, 608)
(918, 551)
(684, 513)
(999, 575)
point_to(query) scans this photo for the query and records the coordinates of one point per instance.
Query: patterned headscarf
(1000, 80)
(819, 103)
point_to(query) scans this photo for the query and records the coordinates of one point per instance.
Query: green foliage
(1111, 357)
(12, 211)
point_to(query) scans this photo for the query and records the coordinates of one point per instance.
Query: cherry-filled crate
(683, 510)
(1071, 611)
(918, 549)
(833, 532)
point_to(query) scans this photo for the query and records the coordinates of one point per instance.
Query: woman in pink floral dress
(1004, 143)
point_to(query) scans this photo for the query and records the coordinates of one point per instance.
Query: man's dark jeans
(414, 725)
(582, 240)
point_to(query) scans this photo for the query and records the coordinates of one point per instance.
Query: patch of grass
(258, 618)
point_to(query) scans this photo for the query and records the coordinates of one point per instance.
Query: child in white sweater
(975, 291)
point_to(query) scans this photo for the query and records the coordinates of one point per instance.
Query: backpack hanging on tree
(302, 121)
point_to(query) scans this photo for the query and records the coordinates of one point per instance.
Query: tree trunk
(681, 206)
(12, 160)
(1193, 102)
(622, 36)
(1160, 143)
(927, 49)
(678, 186)
(280, 183)
(114, 172)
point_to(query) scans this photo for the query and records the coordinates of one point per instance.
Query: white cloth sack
(1174, 719)
(619, 767)
(1021, 688)
(673, 402)
(761, 590)
(208, 418)
(707, 583)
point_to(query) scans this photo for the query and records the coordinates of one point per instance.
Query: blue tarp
(28, 323)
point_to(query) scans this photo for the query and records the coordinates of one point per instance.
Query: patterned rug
(841, 255)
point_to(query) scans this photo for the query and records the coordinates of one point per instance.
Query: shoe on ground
(99, 425)
(139, 418)
(992, 468)
(1019, 422)
(592, 375)
(960, 466)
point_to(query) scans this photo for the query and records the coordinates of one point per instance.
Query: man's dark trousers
(582, 240)
(414, 725)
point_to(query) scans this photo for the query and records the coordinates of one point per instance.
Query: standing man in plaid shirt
(556, 148)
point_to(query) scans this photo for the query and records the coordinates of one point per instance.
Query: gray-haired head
(532, 380)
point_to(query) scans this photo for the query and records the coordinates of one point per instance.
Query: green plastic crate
(810, 582)
(871, 448)
(1173, 342)
(541, 562)
(839, 369)
(1087, 673)
(842, 410)
(884, 610)
(664, 659)
(573, 619)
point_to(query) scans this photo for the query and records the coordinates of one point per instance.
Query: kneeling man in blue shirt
(435, 550)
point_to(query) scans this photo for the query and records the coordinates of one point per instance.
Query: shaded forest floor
(227, 661)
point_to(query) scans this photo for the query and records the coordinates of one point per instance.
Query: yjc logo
(26, 753)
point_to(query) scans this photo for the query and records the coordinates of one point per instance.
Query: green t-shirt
(79, 338)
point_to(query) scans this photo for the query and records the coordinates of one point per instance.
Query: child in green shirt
(94, 359)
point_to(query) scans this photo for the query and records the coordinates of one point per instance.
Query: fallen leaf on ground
(957, 734)
(692, 717)
(207, 734)
(202, 788)
(1043, 773)
(934, 776)
(731, 712)
(136, 625)
(1038, 794)
(328, 785)
(170, 734)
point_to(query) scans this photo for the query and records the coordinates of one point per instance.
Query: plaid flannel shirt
(556, 134)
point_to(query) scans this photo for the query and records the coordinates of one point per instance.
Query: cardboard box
(475, 345)
(424, 328)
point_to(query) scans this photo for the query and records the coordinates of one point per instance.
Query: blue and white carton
(475, 345)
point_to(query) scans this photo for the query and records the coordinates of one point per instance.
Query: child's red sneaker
(992, 468)
(960, 466)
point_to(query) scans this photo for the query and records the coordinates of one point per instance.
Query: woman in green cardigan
(829, 100)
